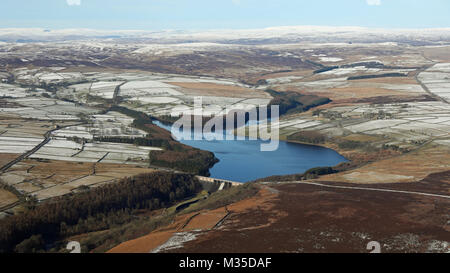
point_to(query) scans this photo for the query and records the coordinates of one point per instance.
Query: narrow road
(373, 189)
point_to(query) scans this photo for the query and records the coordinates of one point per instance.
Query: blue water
(242, 160)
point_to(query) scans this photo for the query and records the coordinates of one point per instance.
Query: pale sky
(221, 14)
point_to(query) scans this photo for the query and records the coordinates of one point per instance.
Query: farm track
(188, 221)
(221, 221)
(82, 149)
(103, 157)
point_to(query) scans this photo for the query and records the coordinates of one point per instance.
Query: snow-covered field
(403, 123)
(282, 80)
(374, 125)
(50, 77)
(330, 59)
(437, 80)
(109, 124)
(410, 121)
(329, 83)
(8, 90)
(47, 109)
(66, 150)
(155, 100)
(18, 145)
(103, 85)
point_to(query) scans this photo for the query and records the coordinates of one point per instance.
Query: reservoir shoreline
(242, 160)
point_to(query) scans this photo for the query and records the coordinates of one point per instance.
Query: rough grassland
(411, 167)
(7, 198)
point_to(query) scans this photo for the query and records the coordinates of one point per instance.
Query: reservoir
(243, 161)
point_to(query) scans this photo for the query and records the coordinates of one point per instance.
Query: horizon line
(230, 29)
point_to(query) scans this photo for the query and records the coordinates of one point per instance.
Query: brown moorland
(6, 158)
(204, 220)
(316, 219)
